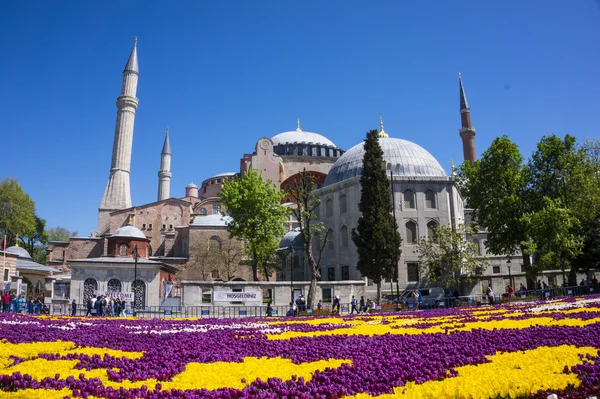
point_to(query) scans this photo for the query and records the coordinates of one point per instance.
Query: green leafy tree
(377, 247)
(450, 258)
(258, 217)
(17, 211)
(560, 184)
(36, 242)
(313, 232)
(493, 187)
(60, 234)
(554, 230)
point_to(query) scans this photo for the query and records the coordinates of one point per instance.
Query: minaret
(164, 174)
(118, 193)
(467, 131)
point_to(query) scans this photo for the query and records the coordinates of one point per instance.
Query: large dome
(300, 136)
(406, 159)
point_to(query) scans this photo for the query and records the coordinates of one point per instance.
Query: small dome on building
(191, 185)
(129, 231)
(22, 252)
(211, 221)
(293, 238)
(403, 157)
(300, 136)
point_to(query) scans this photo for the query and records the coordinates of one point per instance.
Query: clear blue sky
(222, 74)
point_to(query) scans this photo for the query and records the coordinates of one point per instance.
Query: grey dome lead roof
(15, 250)
(129, 231)
(406, 159)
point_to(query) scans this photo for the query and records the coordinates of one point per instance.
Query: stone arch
(411, 232)
(114, 285)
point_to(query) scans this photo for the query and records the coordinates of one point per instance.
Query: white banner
(123, 296)
(228, 296)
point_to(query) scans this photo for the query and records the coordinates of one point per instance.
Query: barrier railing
(209, 311)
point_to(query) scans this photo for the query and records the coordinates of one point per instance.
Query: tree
(554, 230)
(36, 243)
(17, 211)
(303, 194)
(493, 187)
(231, 254)
(257, 216)
(558, 169)
(450, 258)
(377, 246)
(60, 234)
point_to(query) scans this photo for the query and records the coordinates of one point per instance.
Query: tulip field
(521, 350)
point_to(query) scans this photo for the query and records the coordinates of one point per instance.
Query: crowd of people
(12, 303)
(103, 306)
(299, 306)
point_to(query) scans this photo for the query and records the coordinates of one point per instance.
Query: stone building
(120, 271)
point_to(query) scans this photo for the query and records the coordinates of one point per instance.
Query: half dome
(404, 157)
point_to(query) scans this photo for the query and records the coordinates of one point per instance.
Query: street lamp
(564, 182)
(291, 250)
(395, 240)
(508, 264)
(136, 256)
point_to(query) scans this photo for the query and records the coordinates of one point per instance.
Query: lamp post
(508, 264)
(395, 239)
(564, 182)
(136, 256)
(291, 250)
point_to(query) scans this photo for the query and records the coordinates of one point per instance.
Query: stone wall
(192, 291)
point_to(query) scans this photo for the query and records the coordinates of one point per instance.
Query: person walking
(490, 295)
(353, 304)
(336, 305)
(361, 304)
(74, 308)
(269, 309)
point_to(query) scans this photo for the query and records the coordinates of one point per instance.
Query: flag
(4, 243)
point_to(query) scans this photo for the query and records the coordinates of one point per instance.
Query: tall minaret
(467, 131)
(118, 194)
(164, 174)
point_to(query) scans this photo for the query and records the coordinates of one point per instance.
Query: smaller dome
(22, 252)
(292, 238)
(300, 136)
(191, 185)
(212, 221)
(129, 231)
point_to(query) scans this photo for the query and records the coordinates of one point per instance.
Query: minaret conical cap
(463, 97)
(132, 63)
(167, 145)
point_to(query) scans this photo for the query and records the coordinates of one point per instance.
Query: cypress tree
(377, 248)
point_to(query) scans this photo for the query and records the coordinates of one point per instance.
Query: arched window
(216, 209)
(89, 288)
(430, 200)
(113, 285)
(123, 250)
(139, 294)
(431, 228)
(342, 204)
(329, 208)
(409, 199)
(344, 237)
(214, 243)
(149, 250)
(203, 211)
(330, 239)
(411, 232)
(477, 246)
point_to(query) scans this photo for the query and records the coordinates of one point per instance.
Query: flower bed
(517, 350)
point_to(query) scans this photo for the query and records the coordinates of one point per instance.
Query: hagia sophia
(170, 240)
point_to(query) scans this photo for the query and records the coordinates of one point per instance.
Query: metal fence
(235, 312)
